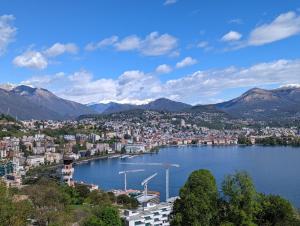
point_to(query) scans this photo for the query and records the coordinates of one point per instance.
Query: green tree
(83, 190)
(50, 202)
(198, 201)
(244, 140)
(13, 212)
(127, 202)
(240, 194)
(275, 210)
(98, 198)
(104, 216)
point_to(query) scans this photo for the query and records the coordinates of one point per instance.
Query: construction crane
(125, 175)
(167, 166)
(145, 184)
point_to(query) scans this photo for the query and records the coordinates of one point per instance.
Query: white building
(94, 137)
(151, 215)
(53, 157)
(3, 154)
(135, 148)
(36, 160)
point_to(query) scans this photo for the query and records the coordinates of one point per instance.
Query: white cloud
(199, 87)
(188, 61)
(102, 44)
(202, 44)
(130, 87)
(129, 43)
(39, 59)
(205, 46)
(284, 26)
(231, 36)
(153, 44)
(42, 81)
(170, 2)
(7, 31)
(31, 59)
(59, 49)
(163, 69)
(295, 85)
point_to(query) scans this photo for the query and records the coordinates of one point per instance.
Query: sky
(135, 51)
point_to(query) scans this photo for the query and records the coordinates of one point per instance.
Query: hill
(25, 102)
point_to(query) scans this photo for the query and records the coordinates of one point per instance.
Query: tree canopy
(238, 203)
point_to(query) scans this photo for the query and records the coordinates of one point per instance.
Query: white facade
(135, 148)
(152, 215)
(53, 157)
(34, 161)
(3, 154)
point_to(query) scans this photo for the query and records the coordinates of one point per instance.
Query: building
(53, 157)
(94, 137)
(68, 171)
(134, 148)
(6, 168)
(150, 215)
(35, 160)
(3, 154)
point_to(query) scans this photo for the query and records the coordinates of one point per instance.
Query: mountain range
(161, 104)
(264, 104)
(256, 103)
(26, 102)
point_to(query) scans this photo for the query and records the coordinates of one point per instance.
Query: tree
(50, 202)
(94, 221)
(198, 201)
(13, 212)
(98, 198)
(104, 216)
(83, 190)
(275, 210)
(244, 140)
(127, 202)
(241, 197)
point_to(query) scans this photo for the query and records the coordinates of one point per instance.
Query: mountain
(26, 102)
(264, 104)
(164, 104)
(161, 104)
(99, 108)
(209, 108)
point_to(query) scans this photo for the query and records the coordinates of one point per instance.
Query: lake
(275, 170)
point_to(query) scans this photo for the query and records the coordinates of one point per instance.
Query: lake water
(274, 170)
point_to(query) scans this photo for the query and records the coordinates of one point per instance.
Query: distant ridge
(264, 104)
(26, 102)
(161, 104)
(261, 104)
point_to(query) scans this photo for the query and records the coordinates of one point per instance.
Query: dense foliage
(48, 202)
(244, 140)
(13, 211)
(288, 140)
(237, 204)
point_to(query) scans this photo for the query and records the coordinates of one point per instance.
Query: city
(149, 113)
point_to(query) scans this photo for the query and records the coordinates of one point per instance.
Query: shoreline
(157, 149)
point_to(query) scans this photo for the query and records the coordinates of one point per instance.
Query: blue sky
(139, 50)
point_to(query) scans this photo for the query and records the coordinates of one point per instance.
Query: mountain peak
(24, 90)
